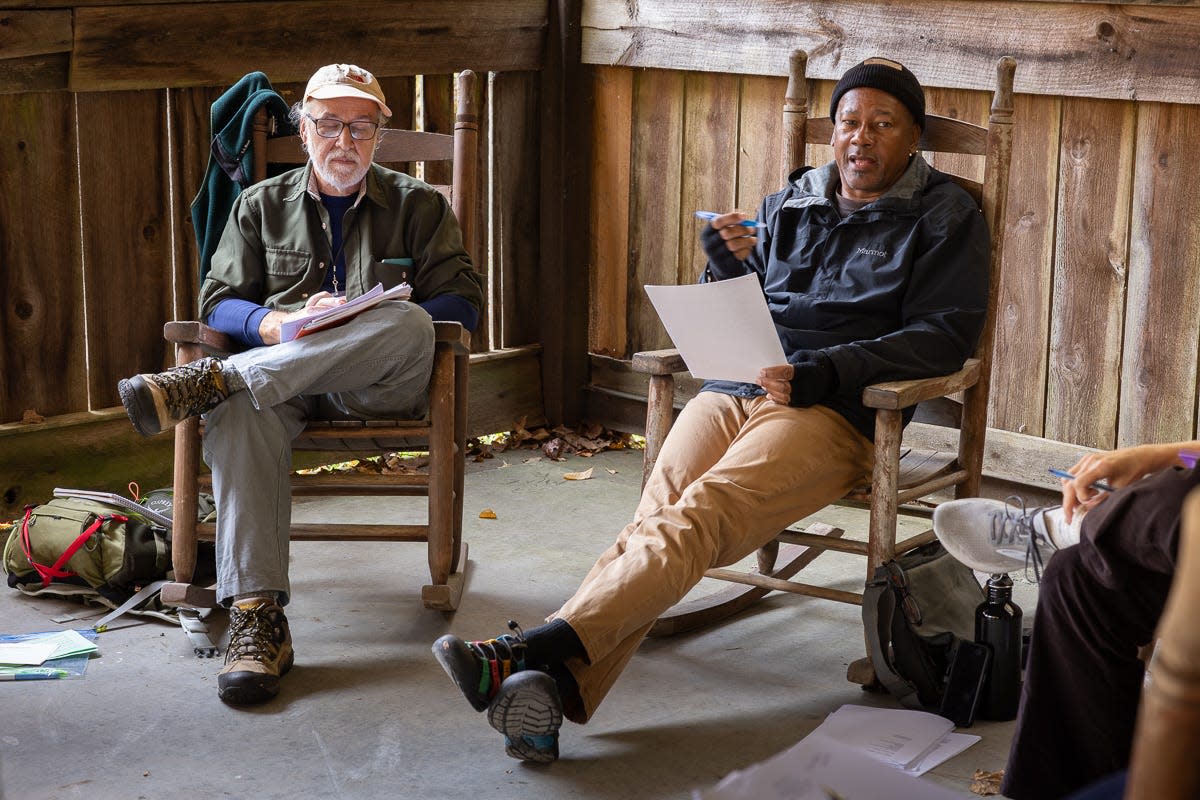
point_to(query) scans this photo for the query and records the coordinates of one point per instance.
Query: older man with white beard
(299, 242)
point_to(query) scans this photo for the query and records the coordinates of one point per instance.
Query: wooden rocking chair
(902, 475)
(442, 433)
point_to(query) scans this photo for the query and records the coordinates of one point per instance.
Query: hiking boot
(155, 402)
(528, 711)
(1001, 536)
(260, 652)
(478, 668)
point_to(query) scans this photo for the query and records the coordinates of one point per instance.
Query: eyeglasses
(329, 128)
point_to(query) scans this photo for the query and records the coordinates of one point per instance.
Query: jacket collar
(371, 188)
(818, 186)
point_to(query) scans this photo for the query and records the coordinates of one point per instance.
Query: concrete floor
(367, 712)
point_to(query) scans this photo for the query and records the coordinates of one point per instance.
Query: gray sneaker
(259, 654)
(158, 401)
(528, 711)
(997, 536)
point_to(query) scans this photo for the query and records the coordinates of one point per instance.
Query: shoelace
(501, 657)
(1014, 526)
(250, 636)
(190, 391)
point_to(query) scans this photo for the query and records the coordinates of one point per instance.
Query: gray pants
(375, 366)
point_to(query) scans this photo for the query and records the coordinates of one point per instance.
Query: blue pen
(749, 223)
(1062, 473)
(34, 674)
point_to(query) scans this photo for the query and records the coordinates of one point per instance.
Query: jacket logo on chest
(866, 251)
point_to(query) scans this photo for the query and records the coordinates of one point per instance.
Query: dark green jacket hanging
(231, 158)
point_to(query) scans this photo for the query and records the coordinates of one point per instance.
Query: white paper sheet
(858, 752)
(35, 650)
(819, 768)
(722, 330)
(896, 736)
(330, 317)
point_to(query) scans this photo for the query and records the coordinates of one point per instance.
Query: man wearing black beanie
(874, 267)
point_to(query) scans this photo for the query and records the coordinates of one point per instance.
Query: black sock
(551, 644)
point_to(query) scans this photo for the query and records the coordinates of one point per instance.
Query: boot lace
(1014, 526)
(192, 388)
(253, 635)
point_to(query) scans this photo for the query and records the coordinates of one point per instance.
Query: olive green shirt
(276, 251)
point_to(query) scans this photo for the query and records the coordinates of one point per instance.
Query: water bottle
(998, 625)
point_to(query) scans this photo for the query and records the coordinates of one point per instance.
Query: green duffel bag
(86, 542)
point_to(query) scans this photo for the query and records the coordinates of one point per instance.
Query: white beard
(342, 178)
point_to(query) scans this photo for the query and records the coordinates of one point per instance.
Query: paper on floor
(857, 752)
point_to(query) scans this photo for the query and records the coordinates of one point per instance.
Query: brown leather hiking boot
(259, 654)
(157, 401)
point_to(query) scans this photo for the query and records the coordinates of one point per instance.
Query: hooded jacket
(895, 290)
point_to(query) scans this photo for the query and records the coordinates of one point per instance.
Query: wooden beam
(145, 46)
(1007, 456)
(1075, 49)
(34, 33)
(566, 107)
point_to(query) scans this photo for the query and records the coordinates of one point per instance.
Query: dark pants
(1098, 602)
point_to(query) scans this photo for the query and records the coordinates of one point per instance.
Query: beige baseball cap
(345, 80)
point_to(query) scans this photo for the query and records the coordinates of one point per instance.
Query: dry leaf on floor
(487, 513)
(986, 783)
(610, 471)
(578, 476)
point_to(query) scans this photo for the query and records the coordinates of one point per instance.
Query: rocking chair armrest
(658, 362)
(453, 334)
(191, 332)
(895, 395)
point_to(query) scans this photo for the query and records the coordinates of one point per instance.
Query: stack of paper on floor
(857, 752)
(50, 654)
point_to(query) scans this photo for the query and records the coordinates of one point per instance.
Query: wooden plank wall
(1100, 314)
(104, 125)
(104, 114)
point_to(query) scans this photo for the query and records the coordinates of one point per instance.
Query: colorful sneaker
(259, 654)
(478, 668)
(1000, 536)
(155, 402)
(528, 711)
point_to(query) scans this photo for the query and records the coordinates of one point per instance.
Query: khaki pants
(732, 473)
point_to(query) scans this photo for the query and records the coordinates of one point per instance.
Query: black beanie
(886, 76)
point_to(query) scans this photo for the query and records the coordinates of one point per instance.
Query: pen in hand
(1102, 486)
(747, 223)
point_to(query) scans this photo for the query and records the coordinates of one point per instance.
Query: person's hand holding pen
(268, 328)
(322, 301)
(736, 228)
(1116, 469)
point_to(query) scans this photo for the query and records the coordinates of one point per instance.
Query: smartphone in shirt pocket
(388, 273)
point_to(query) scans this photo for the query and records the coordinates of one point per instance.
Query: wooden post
(795, 115)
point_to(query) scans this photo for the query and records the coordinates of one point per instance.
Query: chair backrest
(1163, 764)
(941, 135)
(397, 146)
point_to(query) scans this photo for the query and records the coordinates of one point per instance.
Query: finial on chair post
(795, 113)
(1002, 99)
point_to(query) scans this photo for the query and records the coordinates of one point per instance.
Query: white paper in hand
(723, 330)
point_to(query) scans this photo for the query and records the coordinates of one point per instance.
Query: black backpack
(916, 609)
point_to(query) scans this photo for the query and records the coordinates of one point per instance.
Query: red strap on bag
(50, 573)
